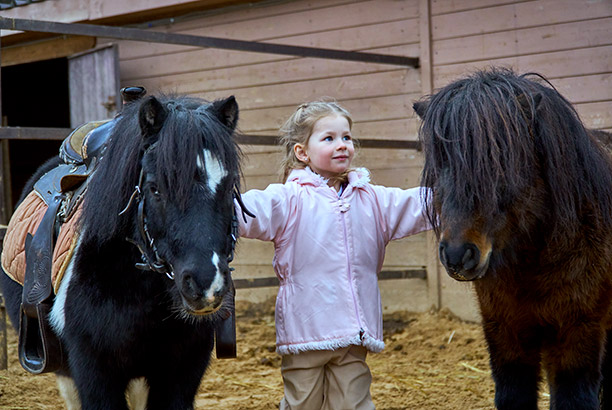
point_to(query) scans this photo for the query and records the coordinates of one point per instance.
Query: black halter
(148, 251)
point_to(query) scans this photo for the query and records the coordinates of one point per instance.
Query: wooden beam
(383, 275)
(46, 50)
(32, 133)
(133, 34)
(3, 339)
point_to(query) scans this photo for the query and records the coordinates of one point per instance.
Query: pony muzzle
(202, 297)
(462, 261)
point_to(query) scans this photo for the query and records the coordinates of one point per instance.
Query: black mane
(494, 133)
(189, 128)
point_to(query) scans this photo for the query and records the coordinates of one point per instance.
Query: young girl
(330, 227)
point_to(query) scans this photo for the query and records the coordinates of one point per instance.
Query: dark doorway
(34, 95)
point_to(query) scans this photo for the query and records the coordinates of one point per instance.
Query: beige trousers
(327, 380)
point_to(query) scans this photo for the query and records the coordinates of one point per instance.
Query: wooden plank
(197, 60)
(425, 57)
(227, 81)
(400, 176)
(516, 16)
(257, 255)
(342, 88)
(403, 128)
(272, 281)
(376, 108)
(200, 41)
(34, 133)
(273, 27)
(582, 61)
(46, 50)
(535, 40)
(596, 115)
(94, 85)
(588, 88)
(445, 6)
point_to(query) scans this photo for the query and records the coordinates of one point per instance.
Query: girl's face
(330, 149)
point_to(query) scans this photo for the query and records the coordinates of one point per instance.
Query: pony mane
(188, 129)
(490, 135)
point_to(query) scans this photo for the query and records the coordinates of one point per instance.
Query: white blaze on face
(213, 169)
(217, 284)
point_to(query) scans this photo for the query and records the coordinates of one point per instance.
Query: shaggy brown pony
(521, 202)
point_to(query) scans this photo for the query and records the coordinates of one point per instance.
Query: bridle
(150, 259)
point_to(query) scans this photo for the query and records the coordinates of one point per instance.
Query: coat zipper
(350, 275)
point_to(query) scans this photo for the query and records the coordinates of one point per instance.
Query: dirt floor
(431, 361)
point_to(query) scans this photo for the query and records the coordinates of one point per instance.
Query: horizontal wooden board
(266, 163)
(455, 6)
(378, 108)
(596, 115)
(268, 73)
(338, 88)
(590, 33)
(556, 64)
(46, 50)
(584, 89)
(365, 39)
(274, 27)
(400, 177)
(516, 16)
(253, 258)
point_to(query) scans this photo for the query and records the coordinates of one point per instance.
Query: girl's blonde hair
(298, 128)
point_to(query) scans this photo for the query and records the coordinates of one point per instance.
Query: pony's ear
(151, 116)
(420, 107)
(529, 104)
(226, 111)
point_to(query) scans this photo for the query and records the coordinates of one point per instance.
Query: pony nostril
(471, 257)
(190, 286)
(442, 253)
(459, 258)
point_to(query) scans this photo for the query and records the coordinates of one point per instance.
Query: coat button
(344, 206)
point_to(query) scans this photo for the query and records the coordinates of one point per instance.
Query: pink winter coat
(328, 252)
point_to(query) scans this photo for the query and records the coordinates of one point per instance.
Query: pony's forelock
(188, 129)
(488, 136)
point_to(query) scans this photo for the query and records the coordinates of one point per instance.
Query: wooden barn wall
(568, 41)
(268, 88)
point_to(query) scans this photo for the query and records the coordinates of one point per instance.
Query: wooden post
(425, 58)
(3, 221)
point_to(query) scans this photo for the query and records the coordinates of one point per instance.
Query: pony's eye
(154, 191)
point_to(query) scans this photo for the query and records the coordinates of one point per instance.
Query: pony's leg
(98, 390)
(606, 372)
(177, 376)
(574, 368)
(515, 368)
(69, 392)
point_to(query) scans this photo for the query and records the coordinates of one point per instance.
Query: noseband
(148, 250)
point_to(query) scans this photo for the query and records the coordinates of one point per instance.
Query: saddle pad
(25, 220)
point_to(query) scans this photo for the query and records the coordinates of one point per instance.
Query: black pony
(150, 330)
(521, 201)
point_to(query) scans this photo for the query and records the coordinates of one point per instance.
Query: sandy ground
(432, 361)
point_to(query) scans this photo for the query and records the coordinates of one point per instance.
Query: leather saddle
(62, 190)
